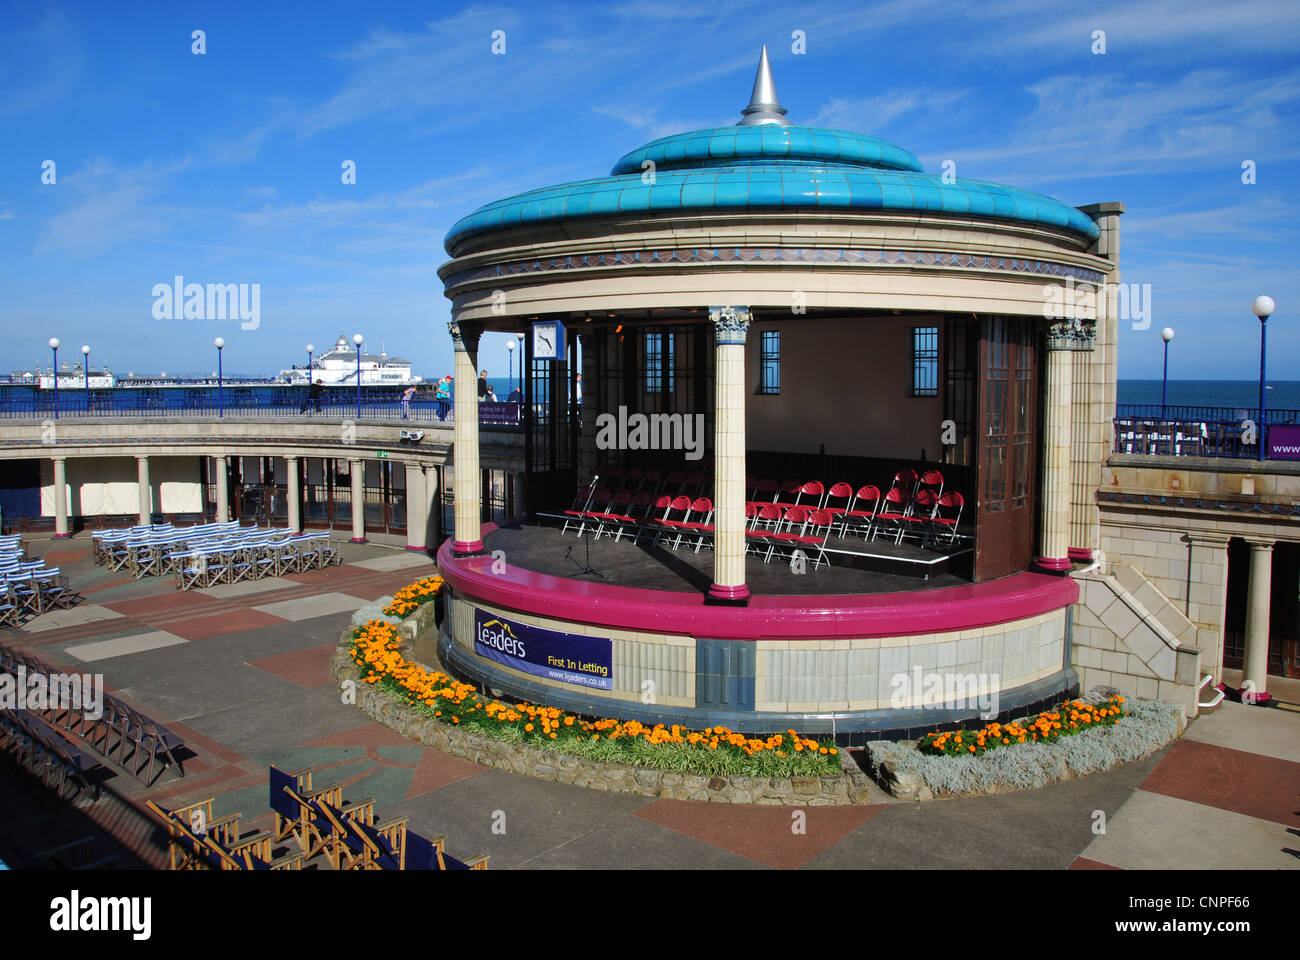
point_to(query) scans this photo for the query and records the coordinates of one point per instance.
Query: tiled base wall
(853, 689)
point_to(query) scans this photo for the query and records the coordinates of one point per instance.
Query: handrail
(1214, 702)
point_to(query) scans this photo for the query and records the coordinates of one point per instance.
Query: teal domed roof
(765, 162)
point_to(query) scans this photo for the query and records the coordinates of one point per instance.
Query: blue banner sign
(567, 657)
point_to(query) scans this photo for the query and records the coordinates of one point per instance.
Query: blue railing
(200, 402)
(1206, 432)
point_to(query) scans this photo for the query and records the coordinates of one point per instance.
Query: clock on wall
(548, 340)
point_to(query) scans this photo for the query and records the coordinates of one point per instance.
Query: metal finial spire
(763, 107)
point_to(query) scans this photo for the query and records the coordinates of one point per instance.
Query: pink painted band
(1053, 563)
(719, 592)
(1081, 554)
(62, 536)
(460, 548)
(1016, 597)
(417, 549)
(358, 540)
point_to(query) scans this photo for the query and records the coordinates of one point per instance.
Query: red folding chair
(905, 480)
(918, 516)
(931, 480)
(765, 517)
(789, 493)
(678, 512)
(615, 514)
(862, 511)
(701, 522)
(815, 490)
(765, 491)
(601, 501)
(574, 514)
(837, 499)
(945, 522)
(790, 532)
(893, 513)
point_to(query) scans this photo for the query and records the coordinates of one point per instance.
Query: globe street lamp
(1166, 335)
(511, 344)
(85, 352)
(310, 350)
(54, 345)
(358, 339)
(220, 342)
(1263, 308)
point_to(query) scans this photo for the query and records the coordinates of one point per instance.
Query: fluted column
(142, 482)
(1063, 339)
(730, 327)
(358, 501)
(60, 497)
(294, 492)
(1254, 674)
(468, 538)
(222, 470)
(416, 507)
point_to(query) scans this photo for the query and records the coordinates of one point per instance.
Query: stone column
(146, 494)
(468, 538)
(416, 507)
(730, 326)
(222, 470)
(61, 498)
(431, 504)
(358, 501)
(1063, 338)
(1254, 674)
(294, 493)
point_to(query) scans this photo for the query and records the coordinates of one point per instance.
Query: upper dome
(765, 162)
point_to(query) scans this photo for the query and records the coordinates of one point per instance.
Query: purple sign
(1284, 442)
(502, 412)
(567, 657)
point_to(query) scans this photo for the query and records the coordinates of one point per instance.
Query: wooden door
(1007, 459)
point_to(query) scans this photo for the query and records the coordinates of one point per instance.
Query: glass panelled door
(1004, 531)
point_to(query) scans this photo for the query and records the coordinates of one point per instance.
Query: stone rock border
(908, 774)
(850, 787)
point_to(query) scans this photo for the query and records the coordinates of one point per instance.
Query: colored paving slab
(243, 676)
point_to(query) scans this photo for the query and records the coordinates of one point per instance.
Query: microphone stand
(585, 568)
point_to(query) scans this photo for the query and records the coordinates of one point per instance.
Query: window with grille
(659, 349)
(925, 361)
(769, 362)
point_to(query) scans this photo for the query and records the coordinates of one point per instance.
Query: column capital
(1260, 543)
(465, 335)
(59, 458)
(730, 324)
(1072, 334)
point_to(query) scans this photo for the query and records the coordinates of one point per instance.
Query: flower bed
(716, 751)
(1071, 717)
(411, 597)
(1144, 727)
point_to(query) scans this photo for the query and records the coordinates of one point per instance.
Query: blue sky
(226, 167)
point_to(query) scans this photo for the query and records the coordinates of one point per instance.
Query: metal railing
(185, 403)
(1205, 432)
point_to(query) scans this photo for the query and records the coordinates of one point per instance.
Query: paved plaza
(241, 673)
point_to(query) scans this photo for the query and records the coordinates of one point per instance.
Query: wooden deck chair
(288, 811)
(319, 829)
(381, 846)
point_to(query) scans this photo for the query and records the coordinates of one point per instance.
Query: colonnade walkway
(242, 675)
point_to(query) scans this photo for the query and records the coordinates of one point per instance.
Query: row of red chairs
(640, 514)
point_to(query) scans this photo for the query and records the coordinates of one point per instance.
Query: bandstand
(798, 316)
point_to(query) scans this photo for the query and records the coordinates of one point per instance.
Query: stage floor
(542, 549)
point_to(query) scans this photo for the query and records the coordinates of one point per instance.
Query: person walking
(482, 385)
(407, 394)
(313, 398)
(443, 397)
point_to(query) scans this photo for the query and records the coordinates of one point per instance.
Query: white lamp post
(220, 342)
(1263, 308)
(1166, 335)
(54, 345)
(358, 339)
